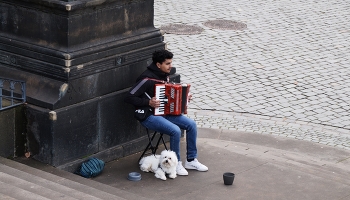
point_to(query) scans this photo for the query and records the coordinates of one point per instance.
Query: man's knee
(192, 124)
(177, 132)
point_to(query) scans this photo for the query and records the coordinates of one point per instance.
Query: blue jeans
(171, 125)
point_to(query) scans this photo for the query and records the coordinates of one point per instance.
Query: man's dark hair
(160, 56)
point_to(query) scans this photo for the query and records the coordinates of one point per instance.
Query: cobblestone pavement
(287, 73)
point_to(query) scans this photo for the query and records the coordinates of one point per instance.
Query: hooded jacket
(136, 95)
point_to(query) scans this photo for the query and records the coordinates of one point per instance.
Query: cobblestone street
(287, 73)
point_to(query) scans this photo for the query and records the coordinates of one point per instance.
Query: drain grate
(225, 24)
(181, 29)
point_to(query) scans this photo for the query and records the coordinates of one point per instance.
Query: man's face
(165, 66)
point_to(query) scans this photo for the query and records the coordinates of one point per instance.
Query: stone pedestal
(78, 59)
(12, 137)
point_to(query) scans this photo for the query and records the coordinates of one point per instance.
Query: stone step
(17, 193)
(5, 197)
(29, 190)
(19, 181)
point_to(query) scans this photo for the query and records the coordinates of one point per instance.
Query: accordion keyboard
(169, 96)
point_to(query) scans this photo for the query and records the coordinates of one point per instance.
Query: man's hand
(154, 103)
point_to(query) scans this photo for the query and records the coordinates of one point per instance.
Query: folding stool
(150, 146)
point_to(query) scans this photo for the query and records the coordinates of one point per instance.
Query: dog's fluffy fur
(162, 164)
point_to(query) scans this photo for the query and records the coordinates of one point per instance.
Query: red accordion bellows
(173, 98)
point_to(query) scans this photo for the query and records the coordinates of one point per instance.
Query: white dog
(162, 164)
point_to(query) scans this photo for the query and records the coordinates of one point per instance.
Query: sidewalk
(266, 168)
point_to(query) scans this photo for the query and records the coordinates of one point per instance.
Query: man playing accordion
(142, 96)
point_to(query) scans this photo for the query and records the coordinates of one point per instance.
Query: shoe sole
(196, 169)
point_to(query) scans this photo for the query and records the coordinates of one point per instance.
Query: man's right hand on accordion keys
(173, 98)
(154, 102)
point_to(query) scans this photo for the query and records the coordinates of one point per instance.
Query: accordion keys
(173, 98)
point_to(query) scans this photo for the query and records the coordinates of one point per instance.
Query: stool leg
(150, 145)
(156, 147)
(161, 135)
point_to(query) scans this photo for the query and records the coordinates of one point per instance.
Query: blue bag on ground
(91, 168)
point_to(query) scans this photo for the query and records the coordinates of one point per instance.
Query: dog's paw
(160, 176)
(172, 175)
(159, 173)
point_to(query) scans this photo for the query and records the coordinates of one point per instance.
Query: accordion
(173, 98)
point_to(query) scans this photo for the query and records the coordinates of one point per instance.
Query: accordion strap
(156, 80)
(138, 86)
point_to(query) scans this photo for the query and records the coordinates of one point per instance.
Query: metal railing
(12, 93)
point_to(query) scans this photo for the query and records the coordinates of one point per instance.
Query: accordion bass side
(173, 98)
